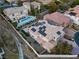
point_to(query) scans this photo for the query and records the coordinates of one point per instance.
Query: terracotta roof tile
(58, 18)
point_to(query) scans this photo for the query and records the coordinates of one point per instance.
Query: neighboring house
(25, 20)
(73, 14)
(58, 18)
(15, 13)
(45, 2)
(27, 5)
(46, 34)
(35, 5)
(1, 53)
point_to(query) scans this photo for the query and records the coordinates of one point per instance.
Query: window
(12, 14)
(18, 21)
(58, 32)
(21, 12)
(14, 19)
(0, 50)
(54, 37)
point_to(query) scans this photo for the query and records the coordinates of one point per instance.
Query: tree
(52, 6)
(1, 45)
(5, 1)
(76, 2)
(62, 48)
(19, 2)
(64, 5)
(34, 11)
(65, 1)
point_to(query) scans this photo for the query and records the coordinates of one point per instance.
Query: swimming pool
(25, 20)
(77, 38)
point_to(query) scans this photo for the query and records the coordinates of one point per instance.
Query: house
(45, 2)
(58, 18)
(35, 5)
(73, 14)
(27, 5)
(25, 20)
(46, 34)
(1, 53)
(15, 13)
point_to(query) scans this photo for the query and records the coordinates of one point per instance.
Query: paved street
(8, 41)
(6, 26)
(30, 54)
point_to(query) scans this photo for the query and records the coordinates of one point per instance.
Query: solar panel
(42, 30)
(72, 13)
(44, 27)
(42, 33)
(33, 29)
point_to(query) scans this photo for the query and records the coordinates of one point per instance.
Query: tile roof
(76, 10)
(73, 14)
(49, 40)
(58, 18)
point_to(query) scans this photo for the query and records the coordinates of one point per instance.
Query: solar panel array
(42, 30)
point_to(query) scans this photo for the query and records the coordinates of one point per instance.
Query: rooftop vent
(72, 13)
(58, 32)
